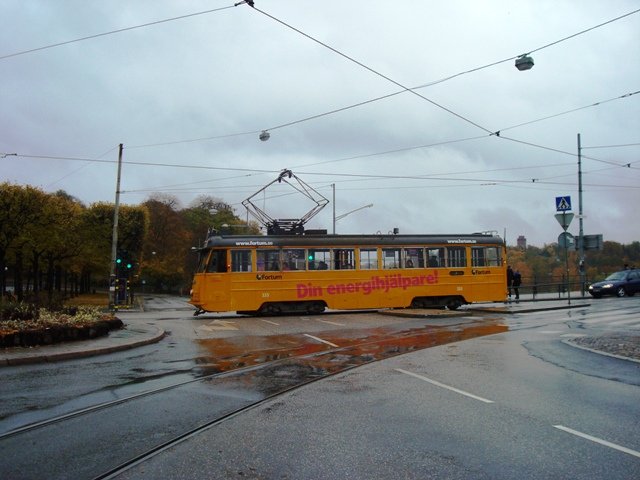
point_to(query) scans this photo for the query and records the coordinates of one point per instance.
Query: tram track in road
(152, 452)
(235, 364)
(212, 398)
(104, 405)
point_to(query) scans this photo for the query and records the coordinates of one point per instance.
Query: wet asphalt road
(524, 405)
(382, 420)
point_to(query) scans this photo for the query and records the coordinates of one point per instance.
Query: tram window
(368, 259)
(391, 257)
(344, 258)
(485, 256)
(217, 261)
(293, 259)
(413, 258)
(202, 262)
(435, 257)
(477, 257)
(493, 257)
(456, 257)
(319, 259)
(268, 260)
(240, 260)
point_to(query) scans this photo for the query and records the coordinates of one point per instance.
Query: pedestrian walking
(509, 280)
(517, 280)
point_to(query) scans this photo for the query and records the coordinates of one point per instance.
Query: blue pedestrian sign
(563, 204)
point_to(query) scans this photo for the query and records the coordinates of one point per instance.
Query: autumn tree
(166, 246)
(20, 209)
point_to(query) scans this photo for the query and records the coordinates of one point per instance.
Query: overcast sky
(188, 98)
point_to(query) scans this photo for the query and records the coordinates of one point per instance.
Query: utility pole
(333, 186)
(113, 294)
(581, 262)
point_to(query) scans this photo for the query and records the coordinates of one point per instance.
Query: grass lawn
(100, 299)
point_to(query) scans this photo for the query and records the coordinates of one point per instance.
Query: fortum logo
(264, 276)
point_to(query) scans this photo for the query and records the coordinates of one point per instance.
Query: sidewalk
(623, 346)
(131, 336)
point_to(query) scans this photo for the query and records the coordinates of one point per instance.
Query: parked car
(624, 283)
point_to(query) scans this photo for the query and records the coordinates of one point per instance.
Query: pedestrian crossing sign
(563, 204)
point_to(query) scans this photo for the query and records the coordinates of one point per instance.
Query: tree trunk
(17, 277)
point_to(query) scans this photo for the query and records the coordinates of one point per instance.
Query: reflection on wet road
(295, 359)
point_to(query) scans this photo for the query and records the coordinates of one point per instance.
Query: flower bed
(22, 325)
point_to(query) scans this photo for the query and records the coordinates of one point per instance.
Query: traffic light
(124, 261)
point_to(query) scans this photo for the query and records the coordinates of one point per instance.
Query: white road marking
(598, 440)
(269, 321)
(219, 325)
(550, 332)
(591, 321)
(442, 385)
(321, 340)
(628, 321)
(332, 323)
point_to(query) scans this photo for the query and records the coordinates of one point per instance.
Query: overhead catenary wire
(405, 89)
(613, 146)
(416, 147)
(412, 90)
(112, 32)
(548, 117)
(80, 167)
(396, 150)
(372, 70)
(333, 174)
(254, 171)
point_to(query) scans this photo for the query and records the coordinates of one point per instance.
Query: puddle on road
(301, 359)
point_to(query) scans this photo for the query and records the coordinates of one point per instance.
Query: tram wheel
(453, 303)
(417, 303)
(316, 307)
(269, 309)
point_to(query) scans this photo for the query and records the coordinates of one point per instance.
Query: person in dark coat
(509, 279)
(517, 280)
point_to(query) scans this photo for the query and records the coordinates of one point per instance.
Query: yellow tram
(308, 273)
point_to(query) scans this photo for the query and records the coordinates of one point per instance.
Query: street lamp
(340, 217)
(524, 62)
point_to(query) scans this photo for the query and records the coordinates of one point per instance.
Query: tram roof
(351, 240)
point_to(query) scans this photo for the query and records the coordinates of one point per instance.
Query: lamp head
(264, 136)
(524, 62)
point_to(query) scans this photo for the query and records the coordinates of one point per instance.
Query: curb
(511, 311)
(599, 352)
(422, 313)
(56, 357)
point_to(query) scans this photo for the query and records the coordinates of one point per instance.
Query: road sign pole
(564, 219)
(581, 259)
(566, 259)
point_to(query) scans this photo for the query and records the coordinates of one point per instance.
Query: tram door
(215, 285)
